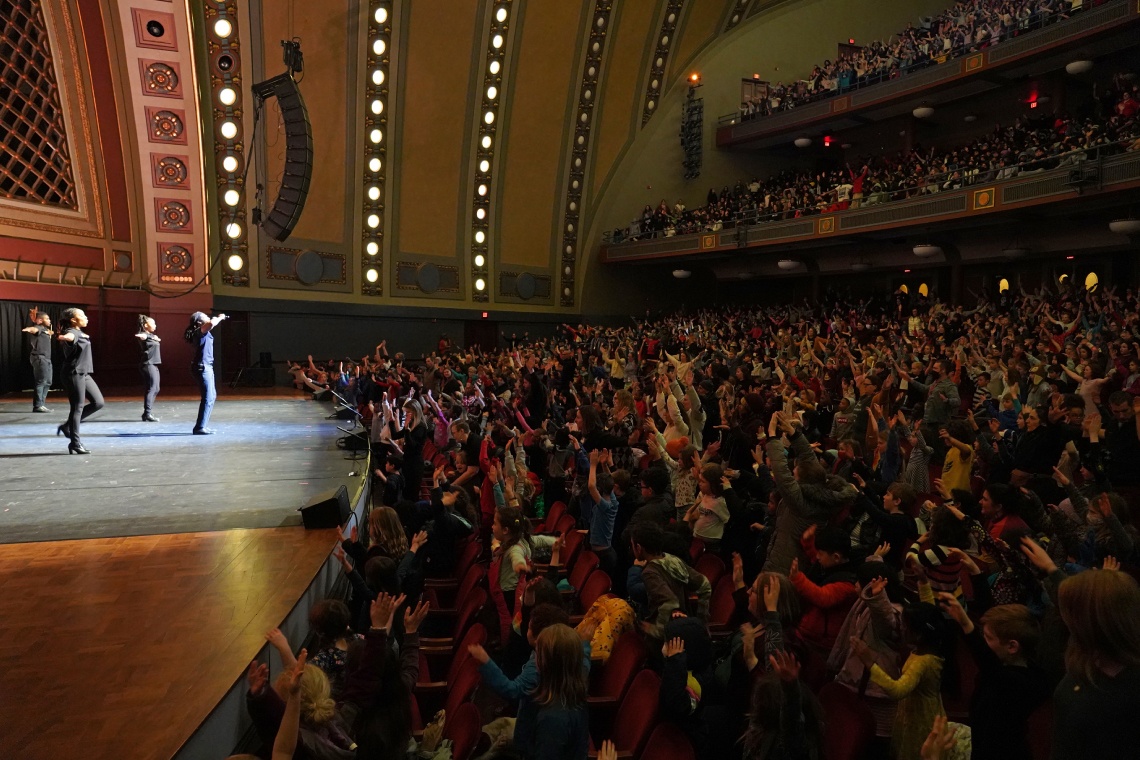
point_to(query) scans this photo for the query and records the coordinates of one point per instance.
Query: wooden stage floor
(123, 623)
(120, 648)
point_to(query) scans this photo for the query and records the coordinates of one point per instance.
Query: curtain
(15, 369)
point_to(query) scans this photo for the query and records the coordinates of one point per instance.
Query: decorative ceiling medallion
(172, 216)
(175, 258)
(161, 79)
(169, 171)
(166, 125)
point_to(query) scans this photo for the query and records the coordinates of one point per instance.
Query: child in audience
(786, 720)
(1009, 685)
(662, 583)
(553, 723)
(827, 588)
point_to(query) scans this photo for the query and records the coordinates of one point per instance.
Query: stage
(137, 583)
(271, 455)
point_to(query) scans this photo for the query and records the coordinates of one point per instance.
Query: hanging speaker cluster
(294, 189)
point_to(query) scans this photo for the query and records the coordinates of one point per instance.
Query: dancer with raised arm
(202, 367)
(40, 333)
(150, 358)
(77, 371)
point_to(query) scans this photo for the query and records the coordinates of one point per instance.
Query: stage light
(480, 237)
(231, 197)
(377, 77)
(484, 165)
(486, 142)
(372, 248)
(501, 15)
(223, 28)
(376, 136)
(480, 213)
(479, 260)
(229, 130)
(227, 96)
(374, 193)
(482, 190)
(497, 41)
(372, 275)
(381, 15)
(230, 164)
(694, 77)
(379, 46)
(235, 262)
(374, 165)
(480, 284)
(233, 230)
(225, 62)
(377, 107)
(373, 221)
(494, 67)
(492, 92)
(489, 117)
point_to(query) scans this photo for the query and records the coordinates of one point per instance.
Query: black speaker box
(330, 510)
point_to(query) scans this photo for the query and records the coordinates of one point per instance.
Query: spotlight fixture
(1076, 68)
(788, 264)
(925, 250)
(1125, 226)
(682, 274)
(802, 142)
(922, 112)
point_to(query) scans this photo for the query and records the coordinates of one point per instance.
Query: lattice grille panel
(35, 164)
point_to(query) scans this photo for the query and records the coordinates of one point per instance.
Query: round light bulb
(229, 130)
(379, 46)
(374, 193)
(223, 28)
(373, 221)
(231, 197)
(235, 262)
(480, 285)
(492, 92)
(376, 136)
(479, 260)
(377, 77)
(482, 189)
(372, 248)
(372, 275)
(489, 117)
(377, 107)
(494, 67)
(227, 96)
(484, 165)
(233, 230)
(501, 15)
(486, 142)
(480, 237)
(497, 41)
(480, 214)
(381, 15)
(230, 164)
(374, 165)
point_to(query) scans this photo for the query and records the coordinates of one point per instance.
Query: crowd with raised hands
(967, 27)
(1030, 144)
(891, 527)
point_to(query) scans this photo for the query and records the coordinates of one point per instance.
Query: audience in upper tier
(967, 27)
(1031, 144)
(901, 529)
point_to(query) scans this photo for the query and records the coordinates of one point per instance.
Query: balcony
(1095, 32)
(1092, 177)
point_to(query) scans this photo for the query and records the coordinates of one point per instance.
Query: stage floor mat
(269, 457)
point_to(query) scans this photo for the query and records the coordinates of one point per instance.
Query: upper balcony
(1092, 32)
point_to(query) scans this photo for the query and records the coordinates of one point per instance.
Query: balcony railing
(967, 60)
(1097, 171)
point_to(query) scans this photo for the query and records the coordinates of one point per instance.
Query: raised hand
(382, 610)
(293, 674)
(419, 540)
(877, 585)
(785, 666)
(1036, 555)
(673, 647)
(1110, 563)
(884, 549)
(413, 618)
(277, 639)
(772, 594)
(953, 608)
(258, 677)
(608, 751)
(940, 740)
(478, 653)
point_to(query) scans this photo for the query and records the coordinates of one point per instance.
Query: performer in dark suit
(40, 333)
(77, 370)
(202, 367)
(151, 357)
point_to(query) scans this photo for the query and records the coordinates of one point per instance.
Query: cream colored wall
(780, 44)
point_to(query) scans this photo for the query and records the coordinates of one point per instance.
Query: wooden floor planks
(120, 647)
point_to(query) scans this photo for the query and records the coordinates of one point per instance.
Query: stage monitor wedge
(294, 189)
(329, 510)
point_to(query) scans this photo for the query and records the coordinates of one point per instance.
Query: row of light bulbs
(374, 193)
(228, 100)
